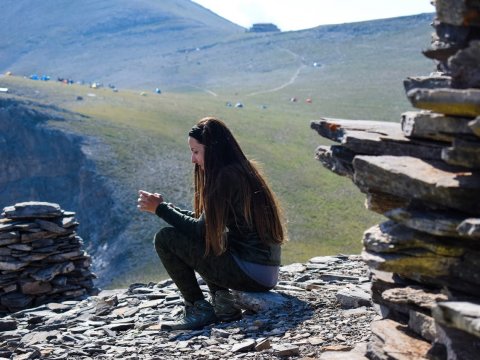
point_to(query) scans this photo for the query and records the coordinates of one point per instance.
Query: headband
(196, 133)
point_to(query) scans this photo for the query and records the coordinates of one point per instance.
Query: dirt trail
(292, 79)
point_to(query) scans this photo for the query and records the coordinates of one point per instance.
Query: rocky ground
(319, 310)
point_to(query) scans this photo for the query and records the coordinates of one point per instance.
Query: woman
(233, 237)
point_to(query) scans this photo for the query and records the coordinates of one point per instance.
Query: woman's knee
(164, 237)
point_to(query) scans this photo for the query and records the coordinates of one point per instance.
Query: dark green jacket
(242, 240)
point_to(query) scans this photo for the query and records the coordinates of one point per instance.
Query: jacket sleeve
(185, 223)
(184, 212)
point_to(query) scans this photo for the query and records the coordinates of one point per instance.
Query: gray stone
(37, 337)
(263, 345)
(327, 260)
(463, 153)
(29, 237)
(427, 125)
(7, 324)
(426, 82)
(434, 222)
(286, 350)
(391, 237)
(35, 287)
(375, 138)
(15, 301)
(332, 277)
(391, 341)
(337, 159)
(259, 302)
(48, 273)
(434, 182)
(456, 344)
(9, 241)
(35, 209)
(244, 346)
(12, 265)
(357, 353)
(353, 297)
(7, 235)
(294, 268)
(460, 315)
(447, 101)
(51, 226)
(423, 325)
(20, 247)
(381, 202)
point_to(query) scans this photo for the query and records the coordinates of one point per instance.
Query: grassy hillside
(147, 138)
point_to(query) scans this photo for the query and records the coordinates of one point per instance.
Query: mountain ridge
(173, 44)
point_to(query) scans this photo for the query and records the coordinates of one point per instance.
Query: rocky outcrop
(320, 309)
(41, 257)
(42, 161)
(423, 174)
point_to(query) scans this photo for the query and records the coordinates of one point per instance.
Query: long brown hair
(225, 161)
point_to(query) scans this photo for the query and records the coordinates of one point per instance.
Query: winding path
(289, 82)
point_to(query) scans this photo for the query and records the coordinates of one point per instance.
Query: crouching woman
(232, 239)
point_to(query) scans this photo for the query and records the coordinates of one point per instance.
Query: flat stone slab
(31, 209)
(381, 202)
(463, 153)
(391, 237)
(357, 353)
(434, 126)
(352, 297)
(434, 222)
(390, 340)
(426, 82)
(458, 273)
(259, 301)
(337, 159)
(447, 101)
(433, 182)
(461, 315)
(375, 138)
(414, 298)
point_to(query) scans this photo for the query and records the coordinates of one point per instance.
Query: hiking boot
(194, 317)
(225, 307)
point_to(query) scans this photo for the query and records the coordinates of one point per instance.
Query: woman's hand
(148, 201)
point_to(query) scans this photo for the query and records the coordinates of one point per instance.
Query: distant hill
(114, 40)
(174, 44)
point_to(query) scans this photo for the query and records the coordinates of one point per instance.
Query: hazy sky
(303, 14)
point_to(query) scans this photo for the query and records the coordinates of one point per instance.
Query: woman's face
(198, 151)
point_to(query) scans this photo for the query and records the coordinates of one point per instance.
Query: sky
(303, 14)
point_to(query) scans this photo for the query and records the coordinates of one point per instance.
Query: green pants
(182, 255)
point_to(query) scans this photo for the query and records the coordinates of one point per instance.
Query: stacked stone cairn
(41, 257)
(423, 174)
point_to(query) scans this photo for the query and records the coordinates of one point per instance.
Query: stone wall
(41, 257)
(423, 174)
